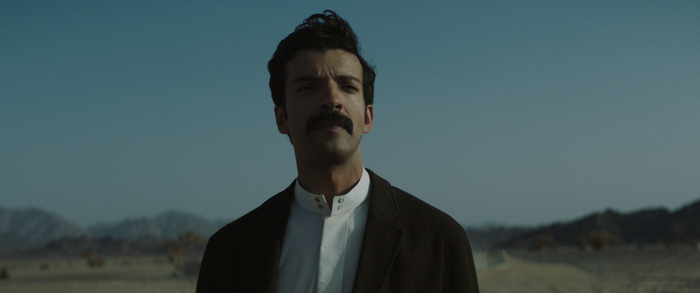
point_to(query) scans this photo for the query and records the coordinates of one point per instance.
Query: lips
(328, 124)
(329, 119)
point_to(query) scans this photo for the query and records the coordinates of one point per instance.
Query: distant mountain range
(649, 226)
(164, 226)
(29, 229)
(33, 229)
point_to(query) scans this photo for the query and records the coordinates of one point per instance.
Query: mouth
(329, 125)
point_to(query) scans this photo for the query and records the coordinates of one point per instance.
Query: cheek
(296, 118)
(294, 113)
(296, 108)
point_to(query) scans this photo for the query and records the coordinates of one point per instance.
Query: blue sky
(514, 112)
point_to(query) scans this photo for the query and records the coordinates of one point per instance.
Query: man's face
(325, 109)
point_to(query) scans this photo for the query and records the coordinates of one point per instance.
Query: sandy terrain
(520, 276)
(634, 271)
(630, 270)
(146, 274)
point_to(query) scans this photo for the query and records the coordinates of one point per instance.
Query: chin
(334, 153)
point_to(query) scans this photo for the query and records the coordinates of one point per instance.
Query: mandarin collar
(342, 204)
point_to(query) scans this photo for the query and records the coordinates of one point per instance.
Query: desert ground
(119, 274)
(614, 271)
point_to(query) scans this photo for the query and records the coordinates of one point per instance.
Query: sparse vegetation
(186, 241)
(542, 241)
(126, 262)
(4, 275)
(94, 260)
(598, 240)
(158, 261)
(601, 239)
(581, 242)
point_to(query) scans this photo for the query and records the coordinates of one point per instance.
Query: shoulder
(433, 246)
(413, 213)
(420, 215)
(273, 210)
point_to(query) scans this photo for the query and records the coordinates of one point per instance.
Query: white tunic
(321, 246)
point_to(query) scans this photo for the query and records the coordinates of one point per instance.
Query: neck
(330, 180)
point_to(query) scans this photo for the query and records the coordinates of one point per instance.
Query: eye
(304, 88)
(351, 88)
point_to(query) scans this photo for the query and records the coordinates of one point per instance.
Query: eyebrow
(306, 78)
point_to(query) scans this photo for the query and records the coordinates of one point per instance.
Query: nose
(331, 97)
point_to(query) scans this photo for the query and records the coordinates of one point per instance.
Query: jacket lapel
(381, 237)
(260, 259)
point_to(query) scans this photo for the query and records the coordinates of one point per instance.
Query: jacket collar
(381, 239)
(380, 243)
(261, 244)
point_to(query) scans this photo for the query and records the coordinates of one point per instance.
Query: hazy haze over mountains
(166, 225)
(36, 225)
(29, 228)
(647, 226)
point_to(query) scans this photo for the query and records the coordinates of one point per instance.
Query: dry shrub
(542, 241)
(175, 257)
(175, 252)
(126, 262)
(4, 275)
(94, 260)
(692, 241)
(581, 242)
(601, 239)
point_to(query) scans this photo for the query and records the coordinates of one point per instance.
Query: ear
(369, 118)
(281, 120)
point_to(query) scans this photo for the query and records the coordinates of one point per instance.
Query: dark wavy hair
(321, 32)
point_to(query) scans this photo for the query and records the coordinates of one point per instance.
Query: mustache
(329, 118)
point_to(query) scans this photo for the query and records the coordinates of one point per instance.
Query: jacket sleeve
(207, 280)
(461, 273)
(219, 269)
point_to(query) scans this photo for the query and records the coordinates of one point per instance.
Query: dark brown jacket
(408, 246)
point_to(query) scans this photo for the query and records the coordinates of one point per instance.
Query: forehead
(329, 63)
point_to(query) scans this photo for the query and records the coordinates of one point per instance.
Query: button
(340, 207)
(341, 200)
(317, 200)
(320, 207)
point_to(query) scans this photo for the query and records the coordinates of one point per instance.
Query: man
(338, 227)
